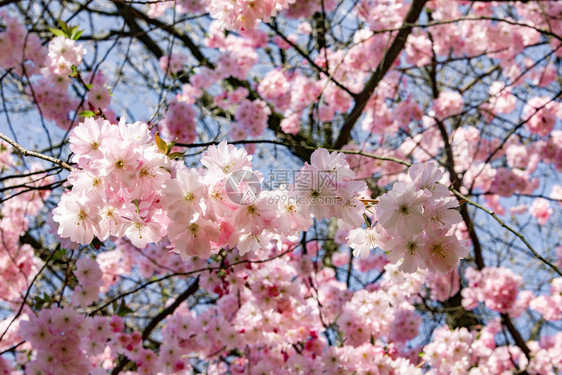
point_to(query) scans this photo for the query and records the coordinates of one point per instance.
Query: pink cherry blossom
(541, 210)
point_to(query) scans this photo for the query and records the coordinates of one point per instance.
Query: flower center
(146, 172)
(412, 247)
(437, 250)
(119, 163)
(81, 217)
(253, 210)
(194, 229)
(228, 168)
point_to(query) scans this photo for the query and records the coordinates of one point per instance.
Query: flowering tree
(280, 187)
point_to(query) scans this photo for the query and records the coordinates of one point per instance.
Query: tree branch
(26, 152)
(506, 320)
(503, 224)
(130, 13)
(193, 287)
(310, 60)
(7, 2)
(363, 97)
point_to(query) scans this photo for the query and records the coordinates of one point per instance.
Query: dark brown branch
(395, 48)
(132, 13)
(7, 2)
(134, 27)
(460, 317)
(506, 320)
(294, 142)
(193, 287)
(171, 308)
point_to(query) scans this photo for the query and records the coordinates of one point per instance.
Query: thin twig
(26, 152)
(269, 141)
(503, 224)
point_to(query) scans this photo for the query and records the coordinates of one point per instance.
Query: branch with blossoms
(158, 318)
(385, 64)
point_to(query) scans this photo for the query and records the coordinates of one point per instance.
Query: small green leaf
(63, 26)
(136, 202)
(172, 144)
(123, 310)
(176, 155)
(86, 114)
(161, 144)
(221, 273)
(57, 32)
(47, 297)
(74, 73)
(76, 35)
(39, 302)
(59, 254)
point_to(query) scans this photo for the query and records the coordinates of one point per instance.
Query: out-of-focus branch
(506, 320)
(310, 60)
(130, 13)
(7, 2)
(388, 59)
(193, 287)
(35, 154)
(274, 121)
(137, 30)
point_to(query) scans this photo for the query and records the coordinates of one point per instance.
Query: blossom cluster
(415, 224)
(22, 50)
(245, 14)
(89, 275)
(125, 186)
(66, 342)
(496, 287)
(115, 189)
(278, 303)
(172, 63)
(550, 306)
(180, 120)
